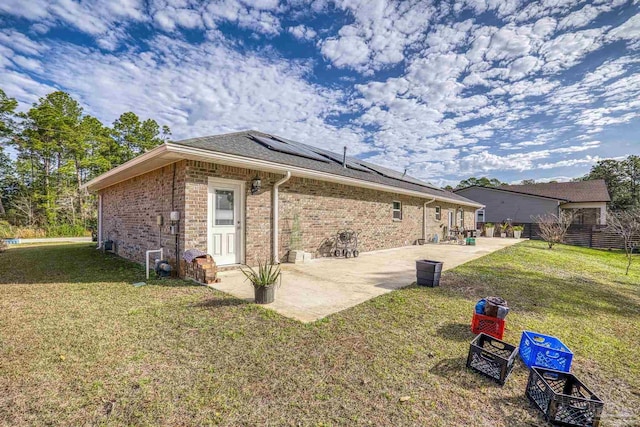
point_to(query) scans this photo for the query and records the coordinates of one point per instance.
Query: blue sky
(501, 88)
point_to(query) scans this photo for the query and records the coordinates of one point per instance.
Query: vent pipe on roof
(405, 172)
(344, 157)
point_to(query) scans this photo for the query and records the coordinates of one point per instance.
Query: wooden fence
(590, 236)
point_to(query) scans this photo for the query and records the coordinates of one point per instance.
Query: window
(461, 218)
(224, 207)
(438, 213)
(397, 211)
(480, 215)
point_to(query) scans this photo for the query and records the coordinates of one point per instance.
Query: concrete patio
(325, 286)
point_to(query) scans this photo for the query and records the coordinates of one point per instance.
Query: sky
(509, 89)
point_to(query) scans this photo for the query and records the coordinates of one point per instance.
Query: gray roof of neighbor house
(268, 147)
(571, 192)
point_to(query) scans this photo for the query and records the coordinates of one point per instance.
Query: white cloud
(347, 51)
(379, 35)
(196, 89)
(431, 92)
(303, 32)
(588, 160)
(629, 30)
(580, 17)
(567, 49)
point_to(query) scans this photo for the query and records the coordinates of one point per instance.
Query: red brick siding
(130, 208)
(323, 208)
(257, 207)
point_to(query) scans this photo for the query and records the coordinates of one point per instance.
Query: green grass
(80, 345)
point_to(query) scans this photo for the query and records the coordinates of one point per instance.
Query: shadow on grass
(521, 401)
(542, 292)
(72, 263)
(221, 302)
(456, 332)
(455, 369)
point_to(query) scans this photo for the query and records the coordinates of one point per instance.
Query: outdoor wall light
(256, 185)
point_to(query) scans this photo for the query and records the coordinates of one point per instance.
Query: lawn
(80, 345)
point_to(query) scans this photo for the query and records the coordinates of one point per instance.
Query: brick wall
(257, 207)
(130, 208)
(322, 209)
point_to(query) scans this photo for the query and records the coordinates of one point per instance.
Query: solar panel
(288, 148)
(338, 159)
(390, 173)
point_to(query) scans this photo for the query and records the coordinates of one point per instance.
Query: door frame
(212, 184)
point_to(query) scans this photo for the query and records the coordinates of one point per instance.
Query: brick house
(230, 190)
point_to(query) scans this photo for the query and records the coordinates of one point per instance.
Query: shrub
(553, 228)
(11, 231)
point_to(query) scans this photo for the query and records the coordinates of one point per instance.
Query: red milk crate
(487, 324)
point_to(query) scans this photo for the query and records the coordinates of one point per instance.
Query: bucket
(428, 272)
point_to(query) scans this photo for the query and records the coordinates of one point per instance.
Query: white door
(225, 221)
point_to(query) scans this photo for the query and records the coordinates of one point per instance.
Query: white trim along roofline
(168, 153)
(519, 193)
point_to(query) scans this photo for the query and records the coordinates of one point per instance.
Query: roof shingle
(242, 144)
(573, 192)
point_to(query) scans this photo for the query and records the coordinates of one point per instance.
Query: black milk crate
(492, 357)
(563, 399)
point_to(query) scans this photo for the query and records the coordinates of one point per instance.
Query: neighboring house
(522, 203)
(230, 190)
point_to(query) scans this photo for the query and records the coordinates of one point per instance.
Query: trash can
(428, 272)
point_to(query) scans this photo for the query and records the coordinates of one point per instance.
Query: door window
(224, 212)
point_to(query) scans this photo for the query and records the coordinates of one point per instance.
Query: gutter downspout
(274, 209)
(424, 219)
(99, 221)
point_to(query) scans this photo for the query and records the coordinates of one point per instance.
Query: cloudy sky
(450, 89)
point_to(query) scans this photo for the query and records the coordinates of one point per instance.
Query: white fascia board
(583, 205)
(153, 159)
(170, 153)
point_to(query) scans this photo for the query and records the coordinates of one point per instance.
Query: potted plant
(264, 280)
(489, 229)
(504, 228)
(517, 231)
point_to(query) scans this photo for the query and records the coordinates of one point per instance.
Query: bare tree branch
(553, 228)
(625, 224)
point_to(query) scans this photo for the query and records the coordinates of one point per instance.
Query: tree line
(56, 148)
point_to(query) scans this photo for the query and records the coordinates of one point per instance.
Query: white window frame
(461, 218)
(438, 213)
(394, 210)
(478, 215)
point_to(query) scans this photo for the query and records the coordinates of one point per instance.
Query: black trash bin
(428, 272)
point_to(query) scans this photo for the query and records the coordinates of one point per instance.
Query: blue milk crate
(544, 351)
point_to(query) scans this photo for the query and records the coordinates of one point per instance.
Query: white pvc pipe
(424, 219)
(147, 257)
(274, 209)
